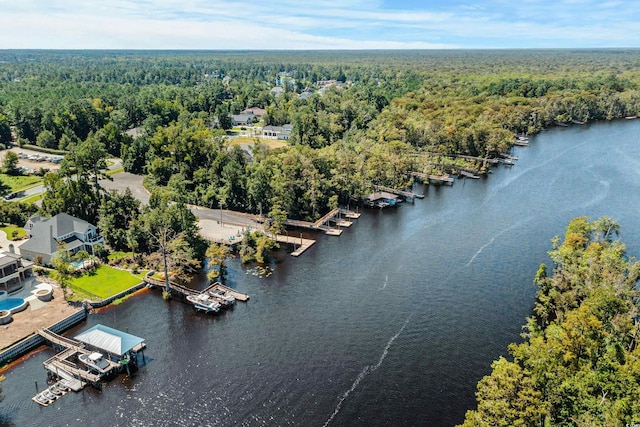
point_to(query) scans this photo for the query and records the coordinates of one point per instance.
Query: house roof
(284, 128)
(135, 132)
(245, 117)
(45, 232)
(109, 340)
(381, 195)
(7, 258)
(257, 111)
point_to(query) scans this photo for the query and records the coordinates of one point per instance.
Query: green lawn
(115, 171)
(9, 230)
(20, 182)
(271, 143)
(104, 282)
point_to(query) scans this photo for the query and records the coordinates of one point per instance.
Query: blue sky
(318, 24)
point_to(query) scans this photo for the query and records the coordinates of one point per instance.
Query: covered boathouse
(119, 346)
(381, 199)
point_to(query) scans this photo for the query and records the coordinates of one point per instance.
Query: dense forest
(398, 112)
(579, 364)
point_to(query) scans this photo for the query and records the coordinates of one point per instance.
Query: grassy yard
(271, 143)
(20, 182)
(9, 230)
(104, 282)
(115, 171)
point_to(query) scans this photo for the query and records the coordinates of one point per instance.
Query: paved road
(117, 163)
(124, 180)
(220, 225)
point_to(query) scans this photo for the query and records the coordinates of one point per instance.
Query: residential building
(277, 132)
(13, 271)
(45, 234)
(256, 111)
(277, 91)
(243, 119)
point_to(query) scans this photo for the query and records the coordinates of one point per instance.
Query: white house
(277, 132)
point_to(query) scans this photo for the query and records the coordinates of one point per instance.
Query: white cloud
(322, 24)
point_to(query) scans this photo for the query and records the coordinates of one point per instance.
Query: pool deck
(38, 314)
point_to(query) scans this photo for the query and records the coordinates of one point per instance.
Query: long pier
(435, 178)
(323, 223)
(490, 160)
(185, 291)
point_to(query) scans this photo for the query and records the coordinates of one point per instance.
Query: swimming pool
(13, 305)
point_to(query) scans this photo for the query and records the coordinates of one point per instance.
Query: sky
(318, 24)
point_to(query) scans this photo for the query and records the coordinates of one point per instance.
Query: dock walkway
(60, 362)
(304, 244)
(217, 286)
(432, 178)
(185, 291)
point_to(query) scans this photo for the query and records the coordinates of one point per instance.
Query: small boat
(40, 399)
(95, 361)
(56, 391)
(204, 302)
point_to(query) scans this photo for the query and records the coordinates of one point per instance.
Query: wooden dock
(350, 214)
(60, 364)
(303, 244)
(467, 174)
(185, 291)
(446, 179)
(217, 286)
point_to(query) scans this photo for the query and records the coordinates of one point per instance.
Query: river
(392, 323)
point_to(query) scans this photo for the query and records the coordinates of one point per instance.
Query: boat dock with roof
(91, 356)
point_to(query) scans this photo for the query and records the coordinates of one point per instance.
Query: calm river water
(393, 323)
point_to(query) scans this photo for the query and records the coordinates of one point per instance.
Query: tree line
(398, 112)
(579, 364)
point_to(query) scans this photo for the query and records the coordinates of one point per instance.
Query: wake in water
(481, 249)
(386, 280)
(516, 225)
(365, 372)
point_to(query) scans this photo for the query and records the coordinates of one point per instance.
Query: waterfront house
(46, 233)
(13, 271)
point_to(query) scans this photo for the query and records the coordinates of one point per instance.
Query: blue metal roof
(108, 339)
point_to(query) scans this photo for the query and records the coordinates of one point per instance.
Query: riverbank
(393, 323)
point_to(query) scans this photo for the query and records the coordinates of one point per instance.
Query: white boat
(95, 361)
(50, 394)
(204, 302)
